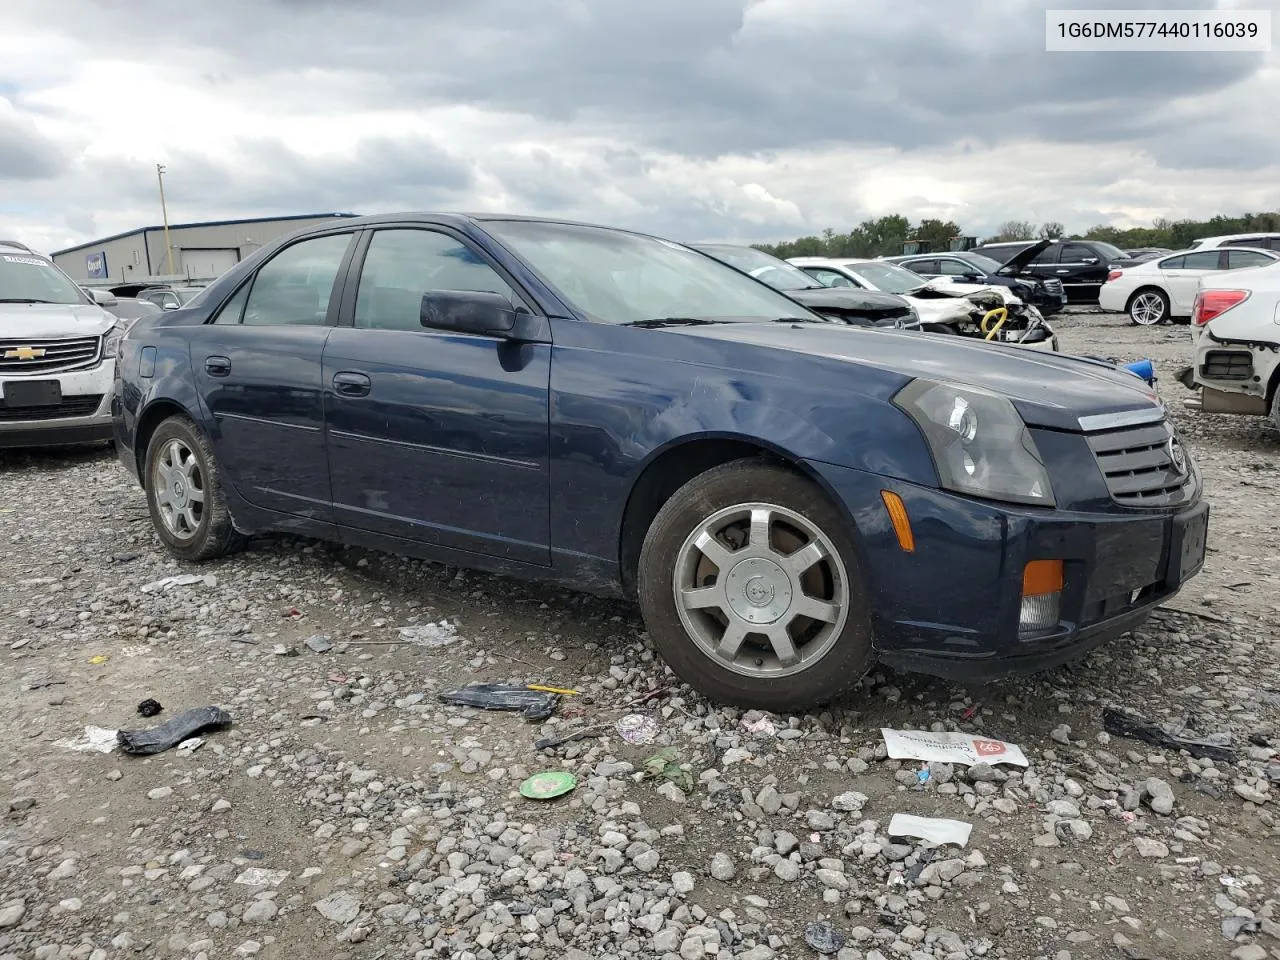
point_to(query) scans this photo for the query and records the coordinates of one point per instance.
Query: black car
(1046, 294)
(860, 307)
(1080, 265)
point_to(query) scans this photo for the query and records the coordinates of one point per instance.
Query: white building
(201, 251)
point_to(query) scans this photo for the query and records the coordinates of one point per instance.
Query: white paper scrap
(95, 740)
(258, 877)
(182, 580)
(930, 828)
(961, 748)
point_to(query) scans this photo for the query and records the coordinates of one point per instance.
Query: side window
(402, 265)
(1173, 263)
(233, 310)
(1246, 258)
(956, 268)
(1205, 260)
(294, 286)
(1048, 255)
(925, 267)
(1077, 253)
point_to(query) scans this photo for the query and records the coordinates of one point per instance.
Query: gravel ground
(349, 813)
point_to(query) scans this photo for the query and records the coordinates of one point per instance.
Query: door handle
(217, 366)
(1064, 271)
(350, 384)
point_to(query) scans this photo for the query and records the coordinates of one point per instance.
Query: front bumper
(951, 608)
(78, 420)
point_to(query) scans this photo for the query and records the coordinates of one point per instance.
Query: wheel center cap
(759, 590)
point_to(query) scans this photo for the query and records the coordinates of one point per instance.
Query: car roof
(1261, 234)
(17, 246)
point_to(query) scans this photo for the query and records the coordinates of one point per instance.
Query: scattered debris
(547, 742)
(440, 634)
(318, 643)
(666, 764)
(759, 724)
(258, 877)
(548, 785)
(1121, 724)
(560, 690)
(149, 707)
(99, 660)
(182, 580)
(39, 679)
(638, 728)
(191, 746)
(182, 727)
(932, 829)
(1232, 927)
(531, 704)
(960, 748)
(94, 740)
(281, 650)
(823, 938)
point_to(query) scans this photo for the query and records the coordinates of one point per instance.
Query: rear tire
(184, 493)
(752, 591)
(1148, 307)
(1275, 408)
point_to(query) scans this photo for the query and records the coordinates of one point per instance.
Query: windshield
(985, 264)
(776, 273)
(34, 279)
(615, 277)
(889, 277)
(1110, 252)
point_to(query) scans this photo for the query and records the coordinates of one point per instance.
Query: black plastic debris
(530, 704)
(149, 707)
(547, 742)
(1120, 724)
(182, 727)
(823, 938)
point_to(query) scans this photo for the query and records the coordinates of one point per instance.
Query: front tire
(184, 493)
(752, 591)
(1148, 307)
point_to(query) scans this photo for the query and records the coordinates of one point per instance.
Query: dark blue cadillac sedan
(789, 498)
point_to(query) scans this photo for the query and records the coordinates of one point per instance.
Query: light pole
(164, 211)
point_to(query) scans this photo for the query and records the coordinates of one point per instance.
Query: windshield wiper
(801, 320)
(23, 300)
(670, 322)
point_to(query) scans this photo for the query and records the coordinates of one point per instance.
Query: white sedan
(1165, 288)
(945, 306)
(1236, 328)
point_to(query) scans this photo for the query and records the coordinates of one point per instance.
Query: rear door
(435, 436)
(257, 366)
(1081, 270)
(1182, 277)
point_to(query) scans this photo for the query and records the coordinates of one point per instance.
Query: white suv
(1259, 241)
(56, 350)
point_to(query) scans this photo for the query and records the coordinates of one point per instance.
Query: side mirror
(466, 311)
(170, 306)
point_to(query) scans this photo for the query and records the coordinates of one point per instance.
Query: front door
(257, 367)
(436, 436)
(1182, 278)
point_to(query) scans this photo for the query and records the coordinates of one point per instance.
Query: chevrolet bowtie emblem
(24, 353)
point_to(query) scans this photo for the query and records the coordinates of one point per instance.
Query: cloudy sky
(695, 119)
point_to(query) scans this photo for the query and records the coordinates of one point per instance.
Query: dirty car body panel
(527, 456)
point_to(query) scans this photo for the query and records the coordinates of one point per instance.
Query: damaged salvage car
(788, 498)
(868, 308)
(992, 313)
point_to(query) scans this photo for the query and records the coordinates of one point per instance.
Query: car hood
(1048, 390)
(848, 298)
(48, 321)
(1021, 260)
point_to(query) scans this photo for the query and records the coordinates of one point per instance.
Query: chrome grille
(51, 356)
(1054, 286)
(81, 406)
(1138, 464)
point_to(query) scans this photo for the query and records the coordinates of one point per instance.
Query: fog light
(1041, 597)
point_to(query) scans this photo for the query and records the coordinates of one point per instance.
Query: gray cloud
(26, 153)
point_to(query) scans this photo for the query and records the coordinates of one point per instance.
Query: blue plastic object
(1144, 369)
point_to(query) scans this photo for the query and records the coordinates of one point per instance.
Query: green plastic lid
(548, 785)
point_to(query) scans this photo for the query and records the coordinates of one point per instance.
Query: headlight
(979, 443)
(111, 343)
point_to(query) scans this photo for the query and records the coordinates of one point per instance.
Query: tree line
(885, 236)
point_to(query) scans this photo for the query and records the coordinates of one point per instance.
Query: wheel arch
(155, 413)
(676, 463)
(1145, 288)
